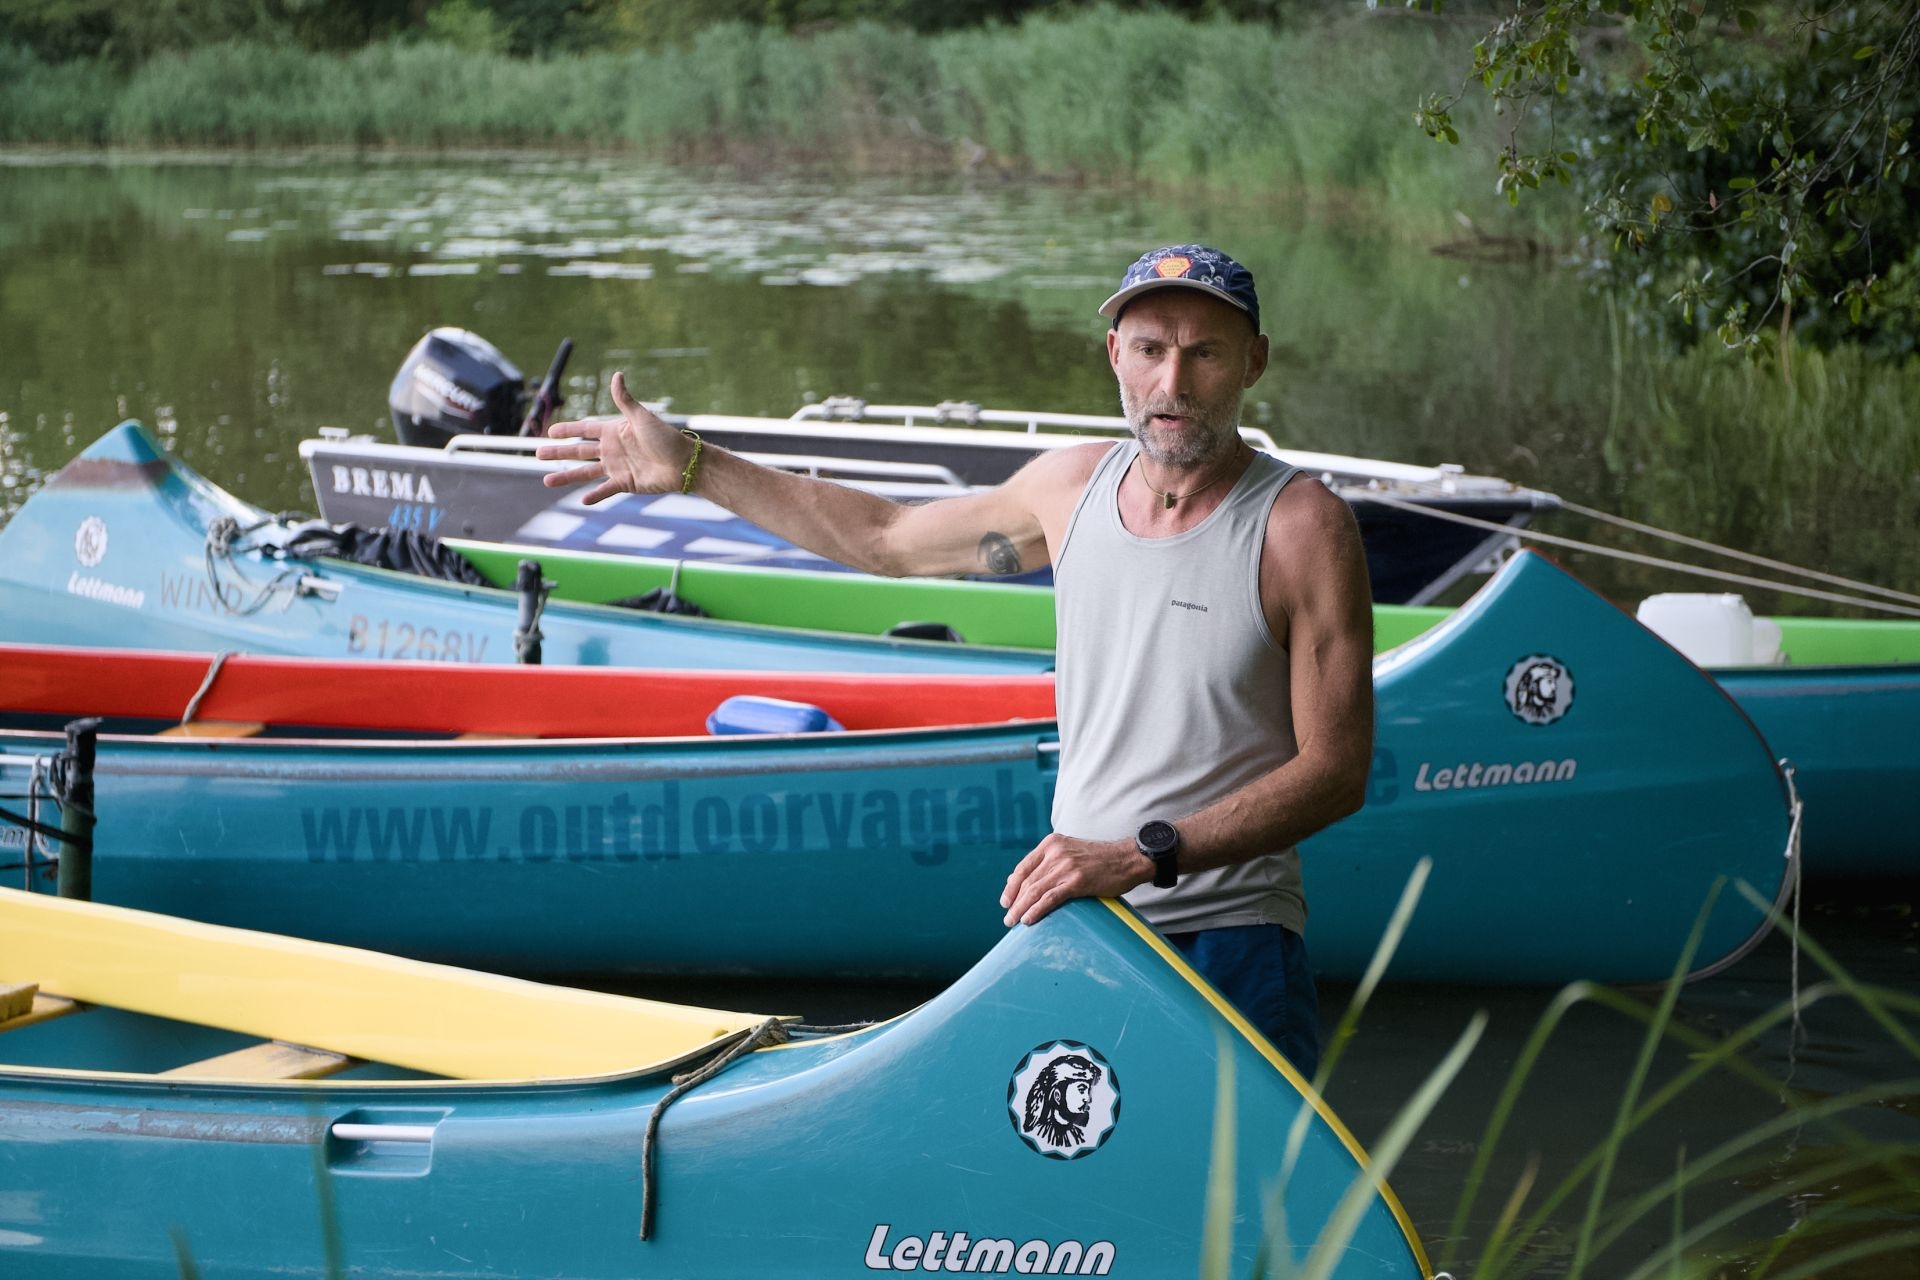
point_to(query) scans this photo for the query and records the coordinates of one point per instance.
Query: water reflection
(238, 305)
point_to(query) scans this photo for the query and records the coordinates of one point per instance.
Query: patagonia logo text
(1188, 604)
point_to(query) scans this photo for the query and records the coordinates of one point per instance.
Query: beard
(1211, 438)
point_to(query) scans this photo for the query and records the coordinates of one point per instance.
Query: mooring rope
(193, 703)
(772, 1031)
(33, 814)
(1789, 892)
(32, 826)
(1799, 1034)
(33, 818)
(35, 829)
(1832, 579)
(1658, 562)
(222, 534)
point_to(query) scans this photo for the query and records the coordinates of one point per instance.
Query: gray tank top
(1171, 690)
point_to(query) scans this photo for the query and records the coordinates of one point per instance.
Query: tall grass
(1102, 94)
(1749, 457)
(1852, 1203)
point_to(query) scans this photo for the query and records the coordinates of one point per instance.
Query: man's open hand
(633, 453)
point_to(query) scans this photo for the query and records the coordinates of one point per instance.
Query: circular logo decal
(90, 543)
(1539, 689)
(1064, 1100)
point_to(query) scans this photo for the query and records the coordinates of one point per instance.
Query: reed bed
(1758, 456)
(1101, 94)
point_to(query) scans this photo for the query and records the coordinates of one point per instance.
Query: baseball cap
(1191, 266)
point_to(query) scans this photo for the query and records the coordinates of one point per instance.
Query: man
(1215, 627)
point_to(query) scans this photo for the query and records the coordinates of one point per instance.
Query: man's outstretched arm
(992, 531)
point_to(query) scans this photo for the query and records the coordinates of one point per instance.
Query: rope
(768, 1032)
(796, 1030)
(1799, 1034)
(59, 777)
(222, 534)
(1703, 545)
(34, 828)
(193, 703)
(33, 813)
(1657, 562)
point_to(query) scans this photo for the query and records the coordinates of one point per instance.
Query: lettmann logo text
(663, 822)
(958, 1252)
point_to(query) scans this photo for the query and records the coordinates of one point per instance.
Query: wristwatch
(1159, 842)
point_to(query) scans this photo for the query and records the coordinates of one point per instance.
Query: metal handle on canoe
(354, 1131)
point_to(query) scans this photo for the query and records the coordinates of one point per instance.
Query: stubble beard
(1213, 439)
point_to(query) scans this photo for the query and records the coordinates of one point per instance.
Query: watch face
(1158, 837)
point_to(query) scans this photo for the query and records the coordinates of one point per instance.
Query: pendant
(1169, 499)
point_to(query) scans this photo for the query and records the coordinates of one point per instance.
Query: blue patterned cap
(1193, 266)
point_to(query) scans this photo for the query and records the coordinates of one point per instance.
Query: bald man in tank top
(1215, 627)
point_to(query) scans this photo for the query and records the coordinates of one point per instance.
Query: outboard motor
(453, 383)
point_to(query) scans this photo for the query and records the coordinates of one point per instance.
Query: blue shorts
(1263, 970)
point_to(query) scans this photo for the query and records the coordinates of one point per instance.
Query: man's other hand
(1061, 868)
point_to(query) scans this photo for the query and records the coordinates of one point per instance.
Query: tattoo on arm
(999, 554)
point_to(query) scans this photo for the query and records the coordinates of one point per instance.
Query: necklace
(1168, 499)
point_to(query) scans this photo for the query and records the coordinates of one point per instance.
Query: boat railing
(967, 413)
(819, 427)
(830, 467)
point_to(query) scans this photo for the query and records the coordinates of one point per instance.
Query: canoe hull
(1580, 844)
(873, 855)
(1852, 735)
(826, 1157)
(1580, 788)
(115, 548)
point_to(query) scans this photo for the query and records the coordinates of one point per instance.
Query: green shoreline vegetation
(1320, 113)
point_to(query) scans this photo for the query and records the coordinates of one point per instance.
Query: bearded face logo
(90, 542)
(1539, 689)
(1063, 1099)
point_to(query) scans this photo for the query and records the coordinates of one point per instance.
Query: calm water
(238, 307)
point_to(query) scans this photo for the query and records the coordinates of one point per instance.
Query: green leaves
(1774, 148)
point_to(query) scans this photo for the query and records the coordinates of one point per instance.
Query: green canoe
(1002, 614)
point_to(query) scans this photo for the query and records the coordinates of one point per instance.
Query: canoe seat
(16, 998)
(359, 1004)
(23, 1003)
(212, 729)
(269, 1060)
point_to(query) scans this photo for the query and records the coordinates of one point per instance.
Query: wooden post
(73, 782)
(533, 598)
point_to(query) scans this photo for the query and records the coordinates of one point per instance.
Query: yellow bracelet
(693, 463)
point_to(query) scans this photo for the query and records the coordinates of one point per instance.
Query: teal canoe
(182, 1099)
(1840, 704)
(1578, 787)
(125, 545)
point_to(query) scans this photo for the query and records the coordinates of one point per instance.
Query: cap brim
(1111, 307)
